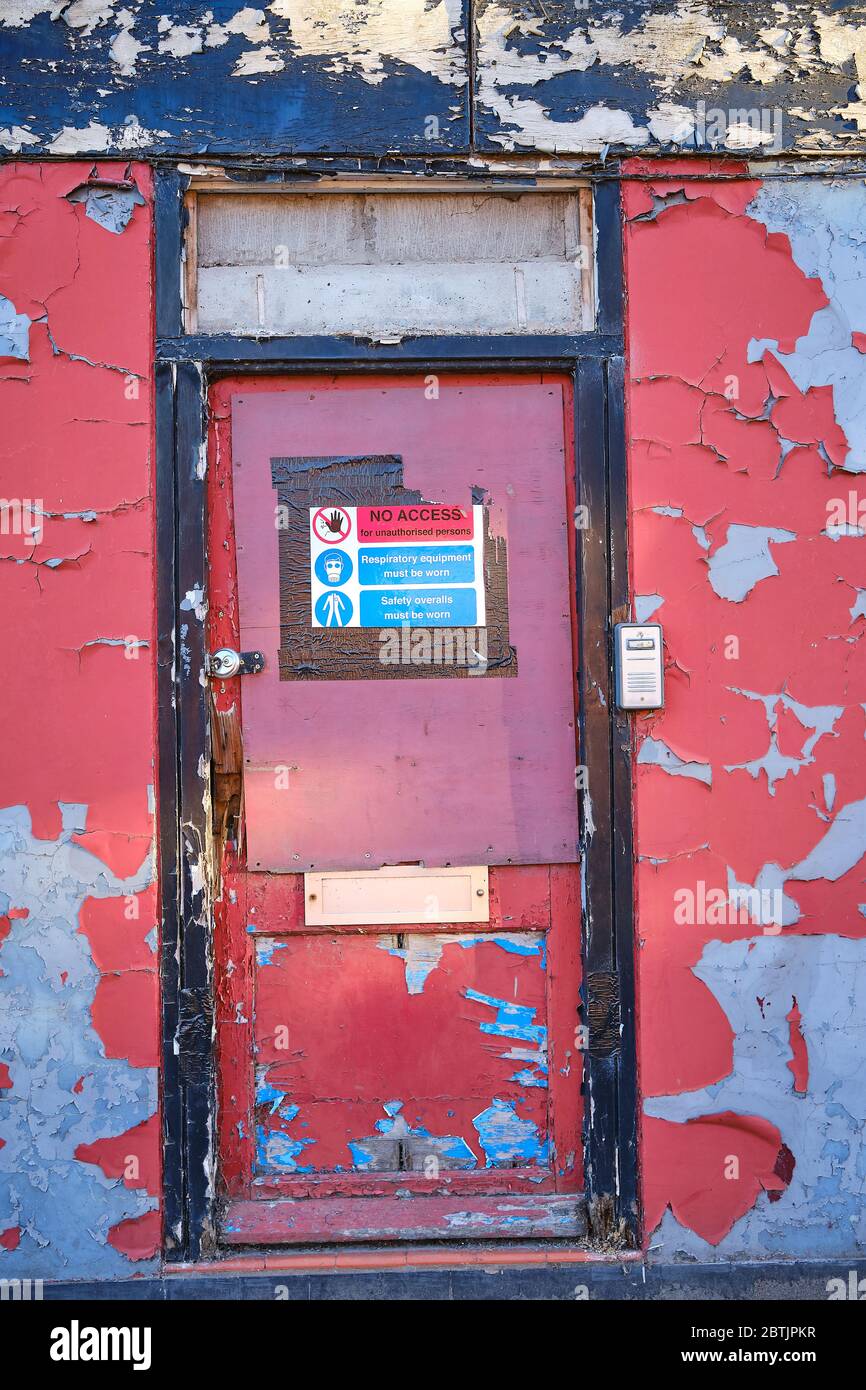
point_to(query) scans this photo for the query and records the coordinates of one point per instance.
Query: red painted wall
(753, 774)
(79, 1162)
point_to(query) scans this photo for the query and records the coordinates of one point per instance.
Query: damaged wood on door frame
(186, 364)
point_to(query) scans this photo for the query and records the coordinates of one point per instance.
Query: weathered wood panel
(378, 771)
(311, 1222)
(98, 76)
(397, 1053)
(375, 76)
(571, 76)
(328, 229)
(390, 264)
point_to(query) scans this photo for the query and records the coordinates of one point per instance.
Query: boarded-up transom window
(388, 265)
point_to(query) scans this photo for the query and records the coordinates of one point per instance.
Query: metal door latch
(227, 663)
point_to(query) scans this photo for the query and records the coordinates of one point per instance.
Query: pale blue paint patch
(829, 783)
(518, 1022)
(14, 331)
(65, 1208)
(818, 719)
(824, 222)
(654, 753)
(744, 560)
(529, 1077)
(836, 1148)
(839, 530)
(839, 849)
(265, 948)
(421, 955)
(275, 1148)
(512, 1020)
(422, 951)
(507, 1138)
(841, 846)
(110, 206)
(266, 1094)
(450, 1150)
(774, 764)
(645, 605)
(518, 944)
(821, 1214)
(363, 1158)
(766, 903)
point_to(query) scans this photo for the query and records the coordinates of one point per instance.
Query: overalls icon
(334, 609)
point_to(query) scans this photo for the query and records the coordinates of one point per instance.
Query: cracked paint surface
(79, 995)
(81, 1076)
(744, 415)
(675, 74)
(824, 224)
(286, 76)
(377, 75)
(817, 1109)
(449, 1151)
(450, 1065)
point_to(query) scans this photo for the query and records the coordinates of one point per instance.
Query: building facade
(593, 275)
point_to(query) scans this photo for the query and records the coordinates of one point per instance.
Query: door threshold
(493, 1256)
(338, 1220)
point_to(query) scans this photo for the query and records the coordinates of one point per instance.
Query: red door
(399, 549)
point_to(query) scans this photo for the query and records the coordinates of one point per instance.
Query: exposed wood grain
(403, 1218)
(390, 263)
(190, 264)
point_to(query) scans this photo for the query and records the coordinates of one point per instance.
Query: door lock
(227, 663)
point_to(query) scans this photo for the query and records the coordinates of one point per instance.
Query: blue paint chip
(506, 1138)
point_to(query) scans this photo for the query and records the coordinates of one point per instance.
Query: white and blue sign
(334, 609)
(392, 566)
(421, 564)
(333, 567)
(418, 607)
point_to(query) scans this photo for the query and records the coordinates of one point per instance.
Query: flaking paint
(79, 1003)
(294, 77)
(743, 418)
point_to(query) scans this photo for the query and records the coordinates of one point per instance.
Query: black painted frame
(184, 367)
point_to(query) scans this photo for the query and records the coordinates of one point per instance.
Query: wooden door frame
(185, 366)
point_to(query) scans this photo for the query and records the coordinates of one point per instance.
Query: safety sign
(420, 565)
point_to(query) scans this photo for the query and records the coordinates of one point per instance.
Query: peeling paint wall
(745, 414)
(370, 76)
(685, 74)
(119, 76)
(747, 437)
(79, 996)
